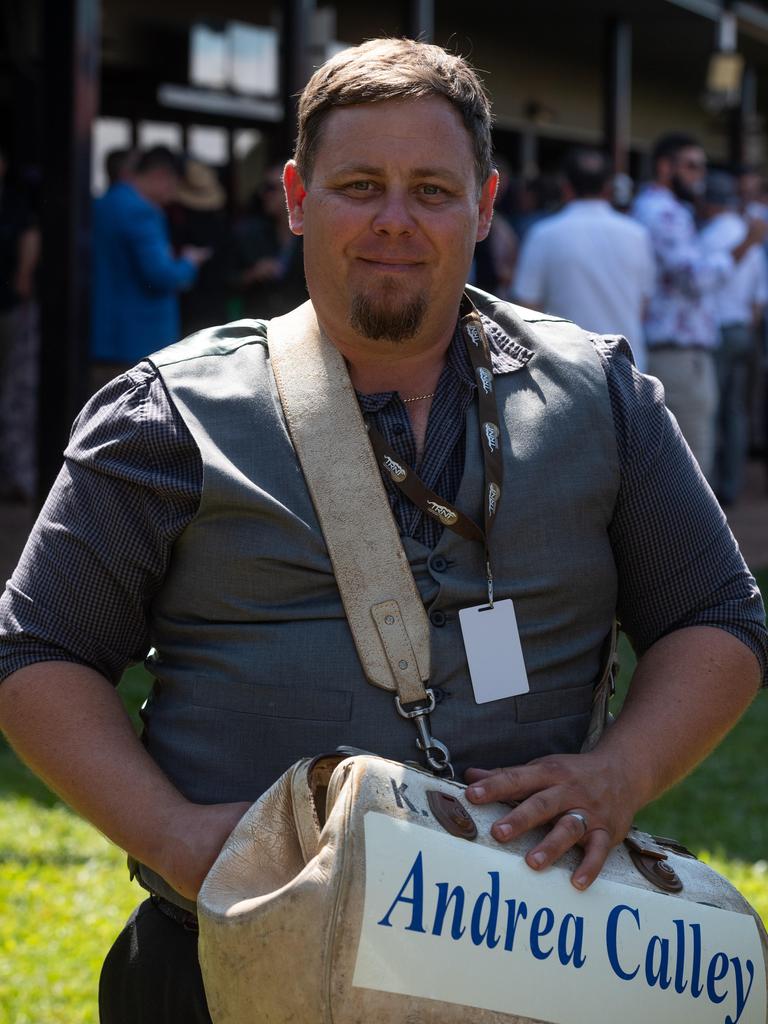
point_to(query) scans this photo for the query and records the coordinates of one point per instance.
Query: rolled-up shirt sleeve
(99, 550)
(678, 563)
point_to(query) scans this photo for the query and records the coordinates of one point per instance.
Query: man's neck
(410, 367)
(413, 373)
(409, 373)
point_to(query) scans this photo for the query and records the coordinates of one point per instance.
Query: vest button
(437, 618)
(439, 564)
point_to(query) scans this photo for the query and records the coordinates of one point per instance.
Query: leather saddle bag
(362, 891)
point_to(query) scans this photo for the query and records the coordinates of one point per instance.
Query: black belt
(183, 917)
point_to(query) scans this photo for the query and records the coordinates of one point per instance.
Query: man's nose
(393, 215)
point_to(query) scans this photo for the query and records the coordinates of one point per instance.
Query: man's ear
(485, 205)
(294, 196)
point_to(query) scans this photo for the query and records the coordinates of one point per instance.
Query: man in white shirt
(589, 263)
(680, 329)
(737, 306)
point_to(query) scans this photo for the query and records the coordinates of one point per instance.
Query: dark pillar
(617, 92)
(742, 121)
(295, 42)
(21, 27)
(70, 101)
(420, 20)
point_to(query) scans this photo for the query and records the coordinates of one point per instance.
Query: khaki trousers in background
(690, 385)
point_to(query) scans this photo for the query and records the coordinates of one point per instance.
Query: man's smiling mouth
(393, 265)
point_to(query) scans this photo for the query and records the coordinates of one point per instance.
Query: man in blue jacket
(136, 278)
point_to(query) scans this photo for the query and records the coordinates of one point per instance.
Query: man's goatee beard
(382, 324)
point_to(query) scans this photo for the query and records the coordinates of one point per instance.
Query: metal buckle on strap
(437, 755)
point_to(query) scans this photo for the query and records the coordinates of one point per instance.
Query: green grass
(720, 811)
(65, 893)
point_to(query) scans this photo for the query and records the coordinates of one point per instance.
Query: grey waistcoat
(254, 661)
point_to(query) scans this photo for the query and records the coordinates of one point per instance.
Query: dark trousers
(152, 974)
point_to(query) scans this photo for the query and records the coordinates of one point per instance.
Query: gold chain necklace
(417, 398)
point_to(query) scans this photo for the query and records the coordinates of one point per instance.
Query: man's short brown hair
(393, 69)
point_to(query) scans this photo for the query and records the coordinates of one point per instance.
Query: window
(245, 141)
(239, 57)
(208, 58)
(253, 53)
(109, 133)
(160, 133)
(208, 144)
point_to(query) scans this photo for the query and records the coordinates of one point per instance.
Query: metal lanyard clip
(437, 755)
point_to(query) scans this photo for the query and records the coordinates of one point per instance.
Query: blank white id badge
(494, 654)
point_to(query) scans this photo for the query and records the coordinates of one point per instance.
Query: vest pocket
(549, 704)
(274, 701)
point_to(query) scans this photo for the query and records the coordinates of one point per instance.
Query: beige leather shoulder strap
(383, 606)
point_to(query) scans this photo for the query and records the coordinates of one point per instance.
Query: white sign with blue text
(475, 926)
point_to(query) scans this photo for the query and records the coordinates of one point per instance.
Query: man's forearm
(687, 692)
(68, 724)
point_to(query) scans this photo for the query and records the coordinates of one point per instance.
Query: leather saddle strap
(382, 603)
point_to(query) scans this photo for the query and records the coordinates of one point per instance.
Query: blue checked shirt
(132, 481)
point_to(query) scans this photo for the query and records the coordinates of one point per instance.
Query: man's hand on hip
(193, 841)
(68, 723)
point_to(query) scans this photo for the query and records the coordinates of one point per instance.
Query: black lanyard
(413, 486)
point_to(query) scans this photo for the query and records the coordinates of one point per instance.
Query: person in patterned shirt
(681, 330)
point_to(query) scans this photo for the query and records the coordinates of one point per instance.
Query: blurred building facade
(218, 82)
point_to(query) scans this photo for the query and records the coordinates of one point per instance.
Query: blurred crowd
(677, 267)
(170, 258)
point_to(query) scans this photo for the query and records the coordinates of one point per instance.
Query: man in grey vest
(181, 531)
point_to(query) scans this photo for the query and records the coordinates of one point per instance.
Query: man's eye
(360, 186)
(431, 190)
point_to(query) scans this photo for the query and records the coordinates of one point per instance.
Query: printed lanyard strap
(409, 482)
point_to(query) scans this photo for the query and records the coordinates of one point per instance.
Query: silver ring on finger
(580, 817)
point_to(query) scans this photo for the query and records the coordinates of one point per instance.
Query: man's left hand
(583, 797)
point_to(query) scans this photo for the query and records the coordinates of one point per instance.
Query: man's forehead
(358, 137)
(401, 114)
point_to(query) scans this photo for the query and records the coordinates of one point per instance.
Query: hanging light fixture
(726, 66)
